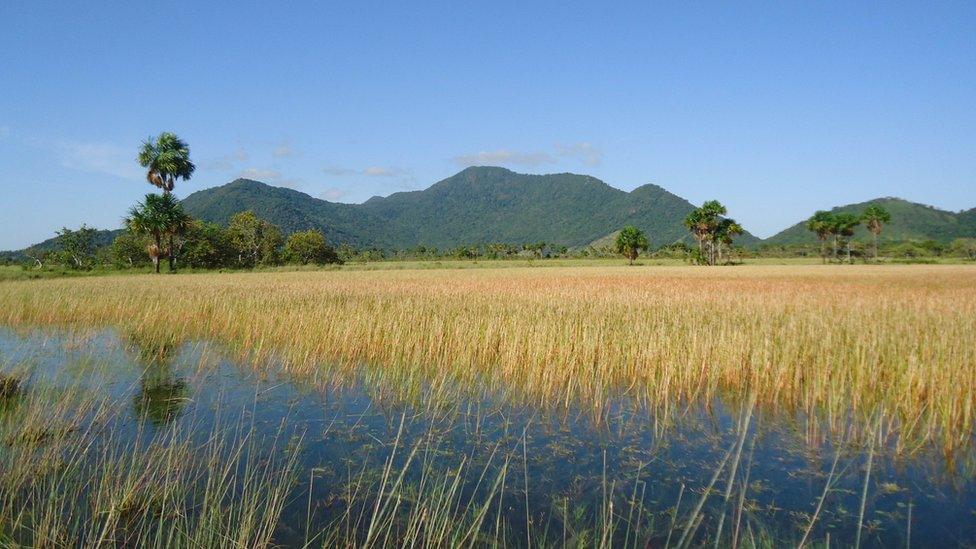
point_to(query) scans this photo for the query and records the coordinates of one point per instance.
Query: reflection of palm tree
(160, 399)
(162, 394)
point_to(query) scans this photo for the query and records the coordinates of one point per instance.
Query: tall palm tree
(874, 217)
(161, 218)
(178, 222)
(843, 226)
(727, 230)
(703, 223)
(149, 218)
(166, 159)
(821, 224)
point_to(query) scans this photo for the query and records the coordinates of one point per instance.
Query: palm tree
(630, 242)
(703, 223)
(166, 159)
(159, 217)
(178, 222)
(844, 225)
(822, 223)
(727, 229)
(874, 217)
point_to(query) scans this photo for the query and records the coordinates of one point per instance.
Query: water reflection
(163, 393)
(710, 473)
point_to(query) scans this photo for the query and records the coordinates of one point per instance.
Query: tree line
(708, 225)
(838, 228)
(157, 229)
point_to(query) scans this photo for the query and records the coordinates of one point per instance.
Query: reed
(827, 341)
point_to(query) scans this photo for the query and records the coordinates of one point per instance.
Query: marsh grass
(77, 470)
(71, 476)
(825, 341)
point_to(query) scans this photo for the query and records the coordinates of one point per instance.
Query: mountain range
(909, 221)
(477, 205)
(481, 205)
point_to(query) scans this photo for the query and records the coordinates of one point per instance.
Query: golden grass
(818, 339)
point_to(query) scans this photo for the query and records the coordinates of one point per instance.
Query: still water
(534, 476)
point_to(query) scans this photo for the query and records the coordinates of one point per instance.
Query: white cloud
(505, 157)
(584, 152)
(372, 171)
(271, 176)
(337, 171)
(226, 162)
(103, 158)
(260, 174)
(333, 194)
(377, 171)
(284, 150)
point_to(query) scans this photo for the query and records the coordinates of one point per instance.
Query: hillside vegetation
(909, 221)
(477, 205)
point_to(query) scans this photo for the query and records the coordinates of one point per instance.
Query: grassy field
(826, 340)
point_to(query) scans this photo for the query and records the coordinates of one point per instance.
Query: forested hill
(909, 221)
(477, 205)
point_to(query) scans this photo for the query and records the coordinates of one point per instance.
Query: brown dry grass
(824, 340)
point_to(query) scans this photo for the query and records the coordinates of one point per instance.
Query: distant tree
(309, 247)
(630, 242)
(874, 218)
(36, 257)
(726, 231)
(964, 247)
(158, 217)
(256, 241)
(77, 248)
(177, 223)
(822, 224)
(166, 159)
(703, 223)
(347, 252)
(843, 227)
(130, 250)
(206, 246)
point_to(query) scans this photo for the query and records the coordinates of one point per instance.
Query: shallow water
(564, 471)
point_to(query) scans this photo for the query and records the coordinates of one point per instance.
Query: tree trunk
(823, 251)
(172, 260)
(849, 251)
(159, 251)
(834, 246)
(875, 246)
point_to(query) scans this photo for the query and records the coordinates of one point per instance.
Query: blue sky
(776, 109)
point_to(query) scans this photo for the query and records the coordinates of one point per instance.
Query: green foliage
(908, 221)
(166, 159)
(309, 246)
(631, 242)
(162, 220)
(874, 218)
(76, 249)
(713, 231)
(207, 246)
(964, 247)
(130, 250)
(256, 240)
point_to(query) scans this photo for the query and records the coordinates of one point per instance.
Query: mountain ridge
(477, 205)
(909, 221)
(480, 205)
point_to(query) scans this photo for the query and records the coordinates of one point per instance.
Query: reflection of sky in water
(348, 432)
